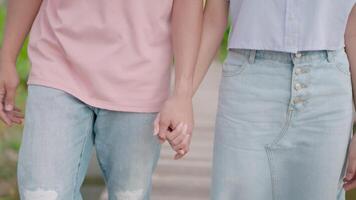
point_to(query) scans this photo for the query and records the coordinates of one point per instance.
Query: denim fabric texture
(283, 126)
(59, 136)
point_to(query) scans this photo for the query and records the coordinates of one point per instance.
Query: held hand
(179, 139)
(350, 178)
(9, 80)
(176, 110)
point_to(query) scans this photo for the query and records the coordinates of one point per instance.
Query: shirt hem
(287, 50)
(97, 103)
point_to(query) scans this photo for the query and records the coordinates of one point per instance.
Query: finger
(350, 185)
(162, 134)
(183, 145)
(162, 140)
(351, 170)
(178, 140)
(15, 115)
(16, 120)
(17, 109)
(176, 132)
(3, 115)
(19, 115)
(156, 124)
(10, 98)
(180, 154)
(2, 94)
(163, 130)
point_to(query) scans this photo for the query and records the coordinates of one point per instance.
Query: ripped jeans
(60, 133)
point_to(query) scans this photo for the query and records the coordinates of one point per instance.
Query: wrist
(7, 57)
(184, 90)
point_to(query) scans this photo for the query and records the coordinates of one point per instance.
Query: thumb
(10, 98)
(351, 169)
(156, 124)
(163, 130)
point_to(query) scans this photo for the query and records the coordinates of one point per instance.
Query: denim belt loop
(330, 55)
(252, 56)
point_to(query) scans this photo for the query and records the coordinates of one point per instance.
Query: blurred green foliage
(10, 137)
(223, 48)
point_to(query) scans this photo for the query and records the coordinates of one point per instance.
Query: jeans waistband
(284, 57)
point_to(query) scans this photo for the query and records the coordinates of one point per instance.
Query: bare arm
(186, 33)
(21, 14)
(214, 26)
(350, 40)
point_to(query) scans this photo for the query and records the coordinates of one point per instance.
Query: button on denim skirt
(283, 126)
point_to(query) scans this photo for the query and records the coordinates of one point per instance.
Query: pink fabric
(112, 54)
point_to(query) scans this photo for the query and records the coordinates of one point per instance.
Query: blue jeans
(283, 126)
(60, 133)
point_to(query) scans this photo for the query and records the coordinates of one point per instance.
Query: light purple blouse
(289, 25)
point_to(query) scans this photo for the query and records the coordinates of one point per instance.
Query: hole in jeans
(40, 194)
(130, 195)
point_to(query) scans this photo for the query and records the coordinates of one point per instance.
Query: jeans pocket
(342, 63)
(343, 68)
(230, 70)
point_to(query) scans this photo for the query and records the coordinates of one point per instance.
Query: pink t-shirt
(112, 54)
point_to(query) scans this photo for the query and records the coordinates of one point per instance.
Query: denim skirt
(283, 126)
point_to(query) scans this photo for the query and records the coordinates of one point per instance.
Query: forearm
(186, 33)
(214, 26)
(350, 40)
(20, 16)
(351, 52)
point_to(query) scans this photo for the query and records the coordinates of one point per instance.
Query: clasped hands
(174, 124)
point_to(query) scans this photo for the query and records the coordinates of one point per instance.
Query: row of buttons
(299, 71)
(299, 86)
